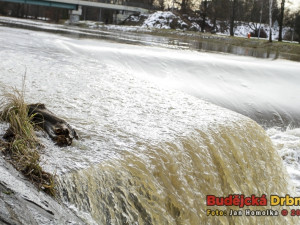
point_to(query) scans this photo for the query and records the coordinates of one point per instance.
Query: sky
(295, 5)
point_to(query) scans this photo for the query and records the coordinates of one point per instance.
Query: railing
(73, 4)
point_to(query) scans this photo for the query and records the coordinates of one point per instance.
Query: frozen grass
(23, 146)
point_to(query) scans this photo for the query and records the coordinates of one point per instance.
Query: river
(160, 128)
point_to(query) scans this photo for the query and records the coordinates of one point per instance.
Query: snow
(195, 26)
(135, 18)
(162, 20)
(157, 20)
(165, 20)
(243, 28)
(125, 28)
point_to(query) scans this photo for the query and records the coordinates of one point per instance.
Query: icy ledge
(21, 203)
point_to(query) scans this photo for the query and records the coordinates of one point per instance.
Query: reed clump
(22, 146)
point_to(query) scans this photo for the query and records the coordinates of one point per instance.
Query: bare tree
(297, 25)
(204, 14)
(161, 4)
(150, 4)
(219, 10)
(270, 19)
(281, 19)
(260, 17)
(184, 5)
(233, 14)
(254, 16)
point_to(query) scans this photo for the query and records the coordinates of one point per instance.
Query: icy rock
(22, 204)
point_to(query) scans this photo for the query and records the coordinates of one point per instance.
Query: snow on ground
(159, 20)
(195, 26)
(163, 20)
(242, 29)
(168, 20)
(125, 28)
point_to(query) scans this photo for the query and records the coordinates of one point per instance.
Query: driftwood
(57, 129)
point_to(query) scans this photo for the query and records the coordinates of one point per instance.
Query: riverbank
(170, 38)
(21, 203)
(290, 48)
(162, 26)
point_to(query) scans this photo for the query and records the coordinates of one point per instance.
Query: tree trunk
(36, 11)
(270, 19)
(184, 6)
(232, 17)
(260, 17)
(57, 129)
(281, 19)
(204, 15)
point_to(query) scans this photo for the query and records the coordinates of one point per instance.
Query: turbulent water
(150, 147)
(288, 145)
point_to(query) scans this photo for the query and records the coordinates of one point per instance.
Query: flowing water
(152, 145)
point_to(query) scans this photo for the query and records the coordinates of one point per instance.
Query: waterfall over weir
(167, 183)
(147, 154)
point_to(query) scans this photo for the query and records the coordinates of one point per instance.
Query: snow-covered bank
(169, 20)
(164, 20)
(145, 22)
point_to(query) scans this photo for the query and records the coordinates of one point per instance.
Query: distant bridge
(76, 4)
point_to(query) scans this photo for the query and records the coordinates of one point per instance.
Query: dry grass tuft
(23, 146)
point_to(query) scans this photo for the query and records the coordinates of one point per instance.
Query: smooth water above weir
(150, 147)
(138, 36)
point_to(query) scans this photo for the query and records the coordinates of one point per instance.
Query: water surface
(150, 147)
